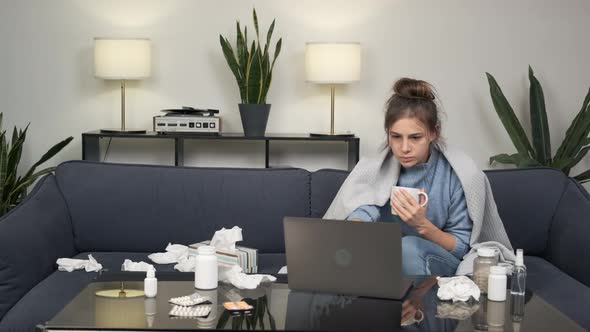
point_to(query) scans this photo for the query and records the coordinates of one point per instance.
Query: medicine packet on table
(189, 300)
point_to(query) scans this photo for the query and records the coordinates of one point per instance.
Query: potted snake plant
(537, 152)
(252, 67)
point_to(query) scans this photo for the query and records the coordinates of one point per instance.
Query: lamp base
(123, 131)
(336, 134)
(117, 293)
(120, 293)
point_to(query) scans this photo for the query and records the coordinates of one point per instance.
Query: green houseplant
(573, 148)
(252, 67)
(13, 188)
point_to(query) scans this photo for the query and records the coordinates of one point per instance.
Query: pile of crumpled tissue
(222, 239)
(459, 288)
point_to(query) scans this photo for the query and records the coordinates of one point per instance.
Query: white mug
(414, 192)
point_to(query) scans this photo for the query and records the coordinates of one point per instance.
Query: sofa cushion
(45, 300)
(32, 237)
(527, 200)
(560, 290)
(569, 232)
(141, 208)
(325, 183)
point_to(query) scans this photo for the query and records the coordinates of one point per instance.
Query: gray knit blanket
(371, 180)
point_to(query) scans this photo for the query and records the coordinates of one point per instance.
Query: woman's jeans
(423, 257)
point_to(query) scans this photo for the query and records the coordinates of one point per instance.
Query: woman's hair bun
(411, 88)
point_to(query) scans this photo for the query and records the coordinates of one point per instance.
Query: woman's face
(409, 140)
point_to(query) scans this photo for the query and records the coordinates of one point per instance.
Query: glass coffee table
(276, 307)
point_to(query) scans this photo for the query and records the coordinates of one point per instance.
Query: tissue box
(246, 258)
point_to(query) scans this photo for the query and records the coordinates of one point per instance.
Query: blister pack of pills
(189, 300)
(190, 312)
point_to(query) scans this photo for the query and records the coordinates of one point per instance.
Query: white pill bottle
(206, 268)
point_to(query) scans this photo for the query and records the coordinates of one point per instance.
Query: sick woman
(440, 235)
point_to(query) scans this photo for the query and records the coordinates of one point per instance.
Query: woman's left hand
(409, 210)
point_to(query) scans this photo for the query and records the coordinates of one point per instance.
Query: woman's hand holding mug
(410, 205)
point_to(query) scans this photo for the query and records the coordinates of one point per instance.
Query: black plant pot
(254, 118)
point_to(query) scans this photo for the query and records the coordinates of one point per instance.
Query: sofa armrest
(32, 236)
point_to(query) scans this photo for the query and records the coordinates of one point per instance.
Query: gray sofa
(116, 211)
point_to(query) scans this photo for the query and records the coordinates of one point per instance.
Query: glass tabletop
(276, 307)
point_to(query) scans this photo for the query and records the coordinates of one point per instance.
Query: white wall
(46, 70)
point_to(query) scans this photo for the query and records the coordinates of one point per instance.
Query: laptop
(345, 257)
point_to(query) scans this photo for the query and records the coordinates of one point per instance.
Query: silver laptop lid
(344, 257)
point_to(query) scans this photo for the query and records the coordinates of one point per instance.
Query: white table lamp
(332, 63)
(122, 59)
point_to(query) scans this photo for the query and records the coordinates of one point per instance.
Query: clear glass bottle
(486, 258)
(518, 287)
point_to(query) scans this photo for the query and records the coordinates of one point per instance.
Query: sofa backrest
(33, 236)
(116, 207)
(325, 184)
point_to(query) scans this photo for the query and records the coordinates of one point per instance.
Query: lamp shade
(122, 59)
(332, 63)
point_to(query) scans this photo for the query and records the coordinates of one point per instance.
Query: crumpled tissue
(227, 238)
(186, 264)
(222, 239)
(70, 264)
(175, 253)
(459, 288)
(129, 265)
(241, 280)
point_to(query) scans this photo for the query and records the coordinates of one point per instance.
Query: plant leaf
(254, 78)
(49, 154)
(269, 76)
(577, 131)
(513, 159)
(242, 57)
(504, 158)
(583, 177)
(13, 158)
(246, 37)
(561, 164)
(3, 165)
(23, 183)
(242, 50)
(268, 36)
(255, 18)
(509, 119)
(581, 154)
(231, 60)
(15, 151)
(527, 162)
(539, 125)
